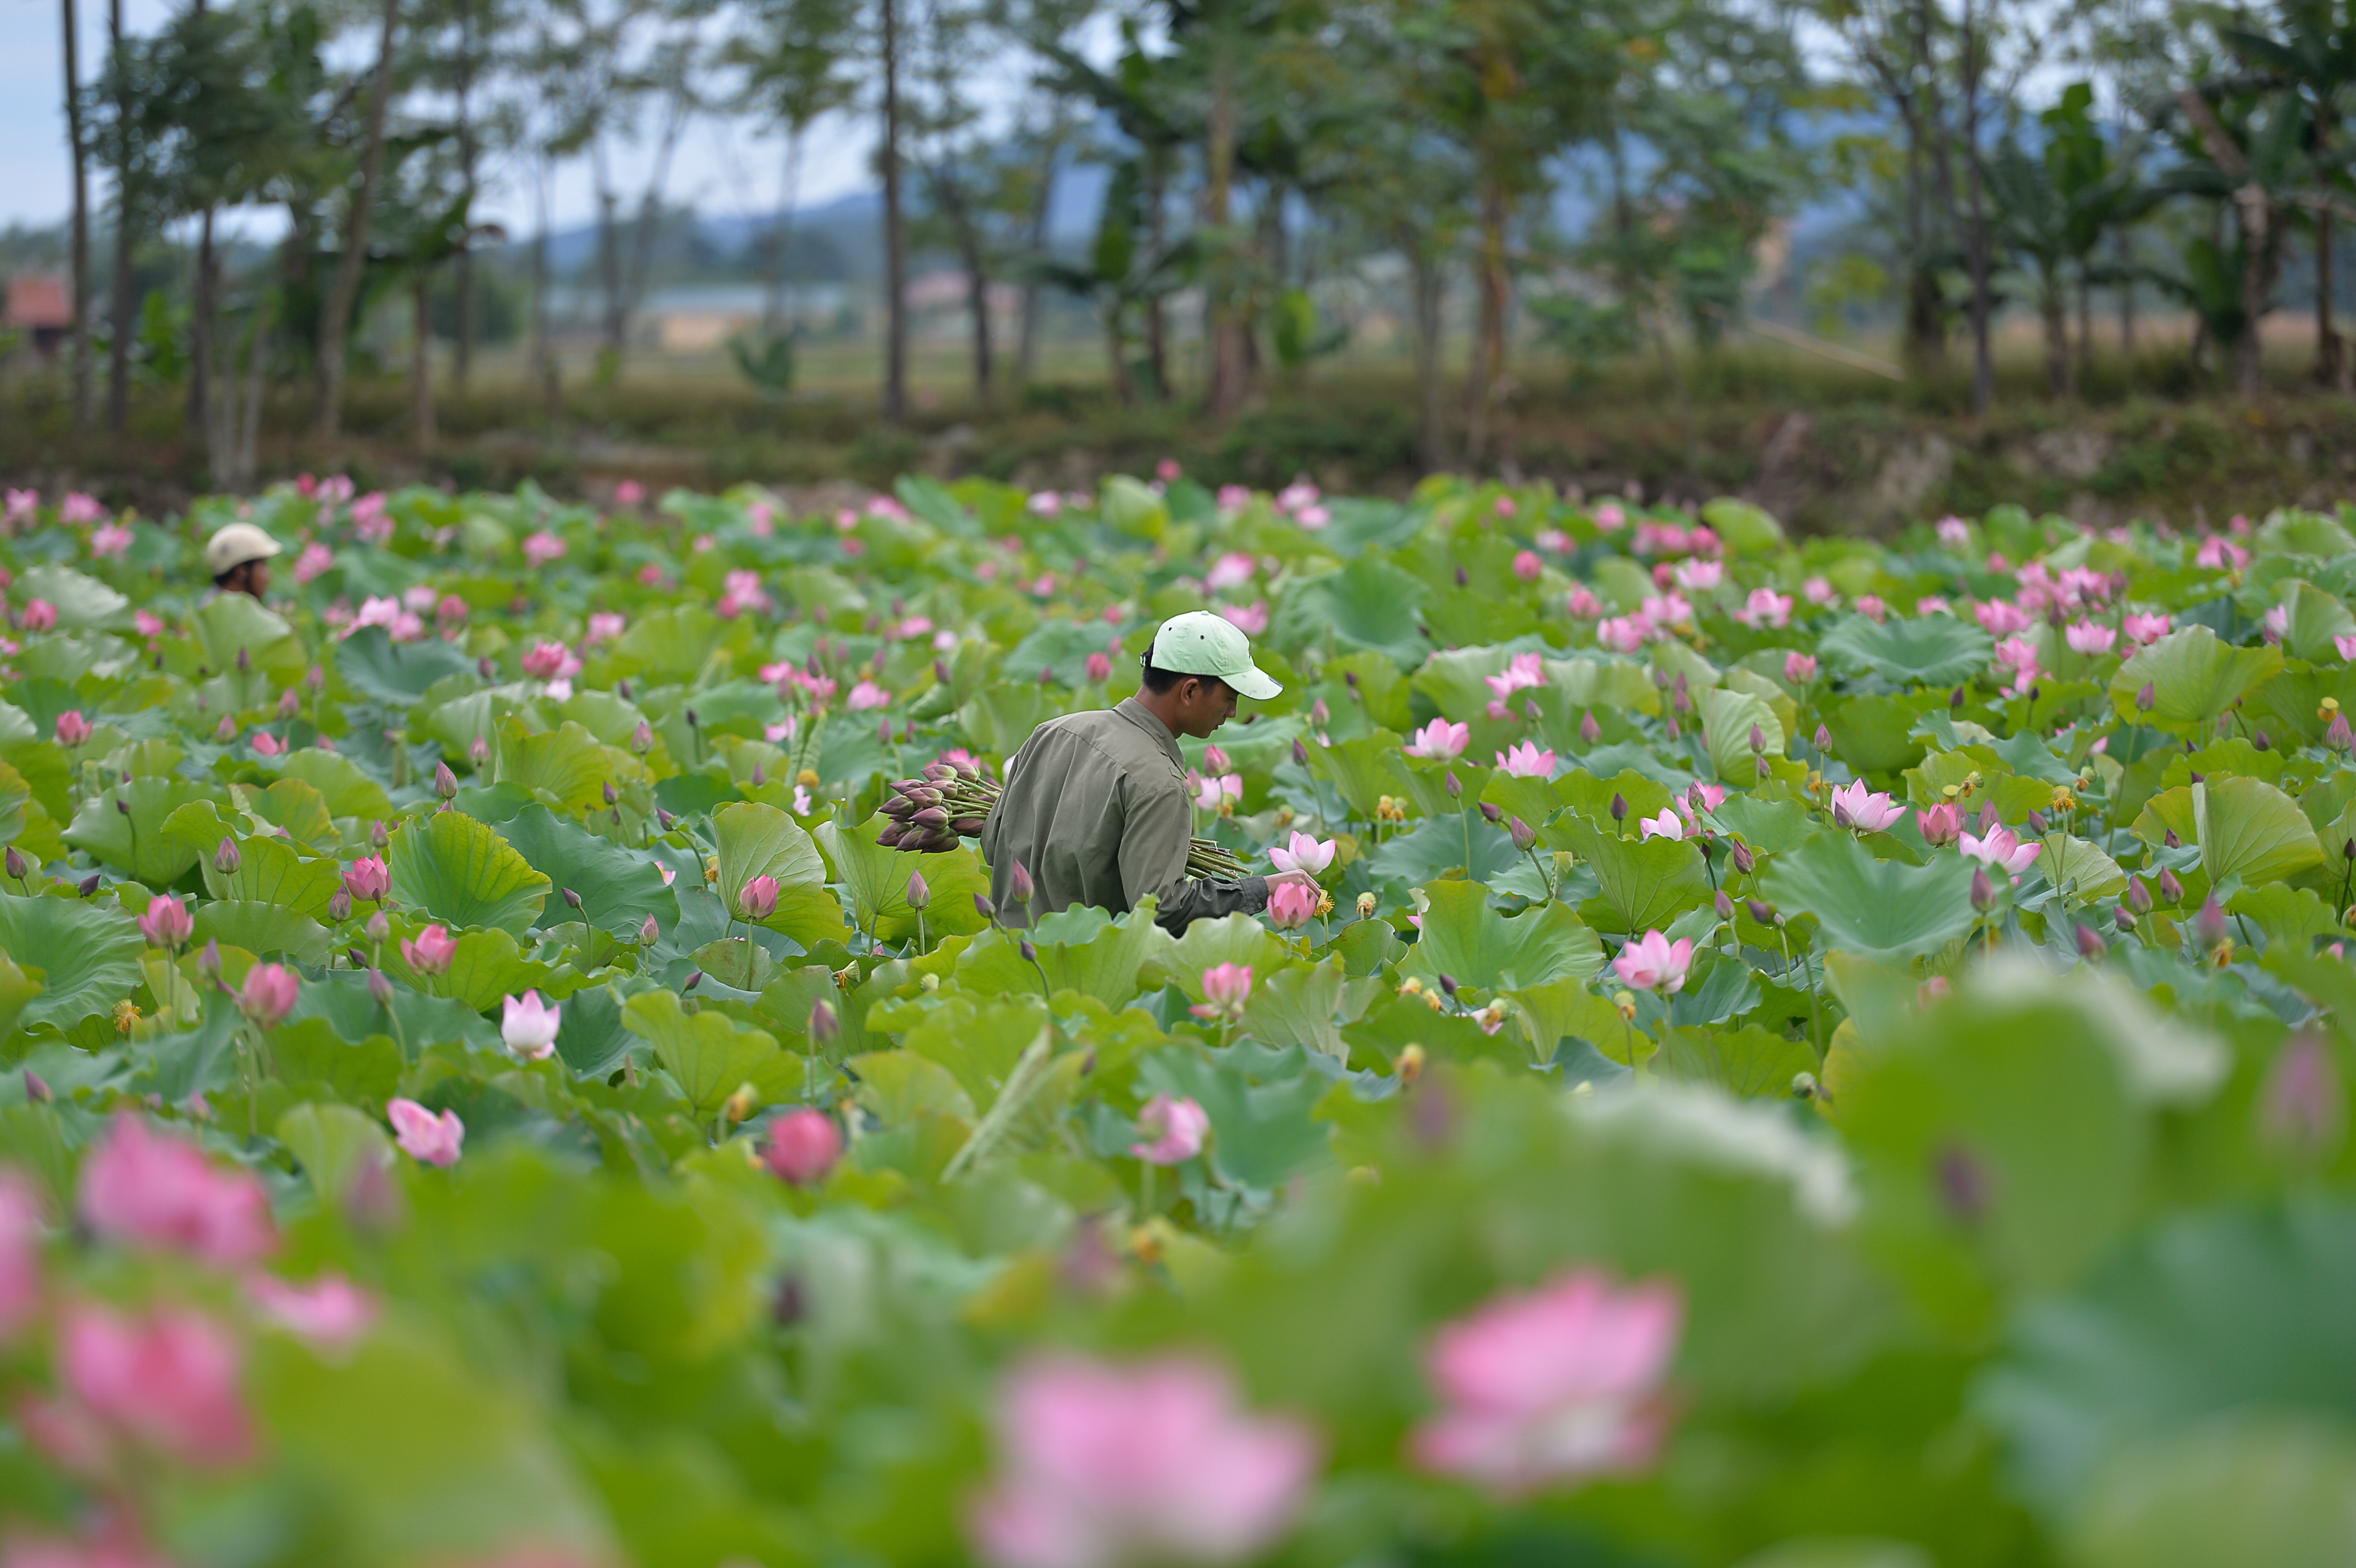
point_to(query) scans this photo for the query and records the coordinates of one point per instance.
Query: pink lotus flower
(21, 505)
(1046, 502)
(1611, 517)
(1665, 825)
(1699, 576)
(1527, 762)
(1232, 569)
(1870, 606)
(1819, 591)
(166, 922)
(266, 744)
(1524, 672)
(1799, 668)
(268, 994)
(2090, 638)
(1440, 741)
(1292, 906)
(1652, 962)
(370, 518)
(2221, 554)
(1941, 825)
(1765, 608)
(629, 493)
(1098, 668)
(757, 899)
(541, 547)
(2001, 851)
(1297, 494)
(551, 661)
(110, 542)
(331, 1311)
(316, 562)
(1954, 533)
(2017, 653)
(73, 731)
(1582, 604)
(41, 616)
(1174, 1131)
(1220, 792)
(1251, 619)
(1303, 853)
(167, 1382)
(1102, 1466)
(149, 1189)
(77, 508)
(425, 1136)
(1932, 605)
(2277, 624)
(604, 627)
(529, 1026)
(430, 952)
(1526, 566)
(1624, 634)
(1225, 988)
(803, 1146)
(20, 1254)
(2145, 630)
(1313, 518)
(866, 697)
(1698, 797)
(1669, 611)
(149, 623)
(1552, 1385)
(1867, 811)
(368, 879)
(1234, 497)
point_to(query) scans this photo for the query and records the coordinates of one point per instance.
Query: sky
(721, 167)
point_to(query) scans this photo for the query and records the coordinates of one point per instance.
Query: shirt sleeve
(1155, 834)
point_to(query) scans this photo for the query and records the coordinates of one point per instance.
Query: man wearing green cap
(1096, 809)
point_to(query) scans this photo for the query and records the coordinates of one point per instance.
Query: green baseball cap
(1199, 643)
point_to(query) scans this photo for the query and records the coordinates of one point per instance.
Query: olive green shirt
(1096, 809)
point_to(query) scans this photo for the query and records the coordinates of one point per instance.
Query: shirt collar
(1137, 713)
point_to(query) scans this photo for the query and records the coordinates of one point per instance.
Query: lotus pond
(1816, 1053)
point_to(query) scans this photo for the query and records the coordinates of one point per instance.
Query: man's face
(257, 578)
(1205, 702)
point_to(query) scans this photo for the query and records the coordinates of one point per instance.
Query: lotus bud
(17, 867)
(2138, 896)
(1674, 729)
(1983, 891)
(2338, 737)
(1589, 732)
(692, 722)
(1758, 739)
(122, 806)
(1744, 860)
(244, 662)
(988, 909)
(1448, 983)
(1619, 808)
(445, 782)
(1764, 770)
(920, 895)
(1823, 739)
(2091, 945)
(1455, 786)
(1531, 712)
(612, 794)
(2208, 926)
(1987, 817)
(2147, 699)
(2124, 918)
(2037, 825)
(289, 704)
(2169, 840)
(38, 1089)
(378, 927)
(208, 962)
(339, 905)
(1030, 954)
(572, 899)
(941, 672)
(1300, 754)
(664, 819)
(1461, 577)
(379, 988)
(1019, 886)
(1319, 715)
(1725, 905)
(2200, 778)
(694, 979)
(1523, 835)
(479, 753)
(1761, 910)
(2170, 889)
(378, 837)
(225, 731)
(1493, 811)
(227, 859)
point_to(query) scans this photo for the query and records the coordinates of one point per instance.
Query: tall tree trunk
(1026, 350)
(1230, 369)
(895, 233)
(256, 368)
(1157, 236)
(649, 225)
(1124, 385)
(2061, 379)
(2085, 325)
(1494, 282)
(344, 290)
(1926, 326)
(2254, 215)
(2329, 351)
(951, 197)
(118, 347)
(81, 263)
(1977, 248)
(201, 292)
(1430, 283)
(421, 359)
(543, 348)
(609, 256)
(2126, 303)
(773, 310)
(462, 272)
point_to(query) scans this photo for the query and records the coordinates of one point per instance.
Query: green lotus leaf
(1105, 965)
(1360, 769)
(1875, 734)
(88, 953)
(335, 1144)
(2313, 618)
(139, 844)
(1644, 884)
(1728, 719)
(1231, 939)
(617, 889)
(1296, 1006)
(672, 644)
(1749, 1063)
(397, 673)
(461, 871)
(707, 1054)
(757, 840)
(1263, 1134)
(84, 604)
(347, 790)
(2193, 676)
(1926, 650)
(1883, 909)
(1466, 939)
(1369, 604)
(262, 928)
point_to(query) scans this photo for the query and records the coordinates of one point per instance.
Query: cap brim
(1254, 684)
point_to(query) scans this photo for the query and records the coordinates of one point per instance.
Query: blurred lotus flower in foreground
(72, 730)
(2090, 638)
(1653, 962)
(1440, 741)
(151, 1189)
(1225, 988)
(268, 994)
(1218, 794)
(41, 616)
(20, 1252)
(1552, 1386)
(1173, 1130)
(329, 1311)
(168, 1382)
(425, 1136)
(803, 1146)
(529, 1026)
(1104, 1466)
(1303, 853)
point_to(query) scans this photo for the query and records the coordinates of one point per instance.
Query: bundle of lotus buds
(930, 814)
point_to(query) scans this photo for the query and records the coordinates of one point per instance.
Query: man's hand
(1298, 879)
